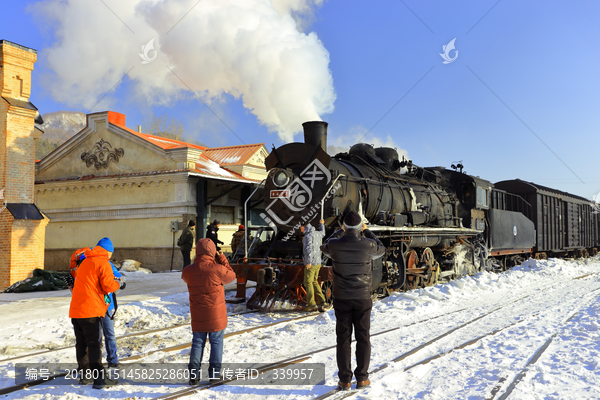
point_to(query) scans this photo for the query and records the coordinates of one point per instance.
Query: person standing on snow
(311, 251)
(237, 239)
(186, 242)
(94, 280)
(211, 233)
(108, 324)
(352, 254)
(205, 279)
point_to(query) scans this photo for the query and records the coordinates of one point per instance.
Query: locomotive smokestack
(315, 132)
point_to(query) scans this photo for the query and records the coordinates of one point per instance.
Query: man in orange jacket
(205, 279)
(95, 279)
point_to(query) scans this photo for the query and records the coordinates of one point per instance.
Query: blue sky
(521, 100)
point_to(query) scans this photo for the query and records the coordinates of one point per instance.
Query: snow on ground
(525, 306)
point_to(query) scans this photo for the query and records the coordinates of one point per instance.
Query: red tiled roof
(233, 155)
(164, 143)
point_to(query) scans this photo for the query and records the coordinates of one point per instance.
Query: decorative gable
(104, 148)
(107, 148)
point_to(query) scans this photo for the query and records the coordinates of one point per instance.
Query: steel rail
(14, 388)
(467, 343)
(142, 333)
(22, 386)
(533, 358)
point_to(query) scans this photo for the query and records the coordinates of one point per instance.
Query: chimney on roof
(139, 128)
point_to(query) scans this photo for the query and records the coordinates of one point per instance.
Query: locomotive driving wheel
(327, 289)
(413, 281)
(432, 268)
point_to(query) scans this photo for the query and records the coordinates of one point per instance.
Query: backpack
(76, 259)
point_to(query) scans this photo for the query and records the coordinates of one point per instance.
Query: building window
(225, 214)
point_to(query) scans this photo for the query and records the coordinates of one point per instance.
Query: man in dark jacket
(186, 242)
(211, 233)
(205, 279)
(352, 254)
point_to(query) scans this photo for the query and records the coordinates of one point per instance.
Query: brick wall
(21, 241)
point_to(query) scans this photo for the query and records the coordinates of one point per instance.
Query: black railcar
(565, 223)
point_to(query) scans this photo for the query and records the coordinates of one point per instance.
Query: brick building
(22, 226)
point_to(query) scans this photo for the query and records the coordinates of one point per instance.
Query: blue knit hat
(106, 244)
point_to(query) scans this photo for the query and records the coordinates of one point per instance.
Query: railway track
(141, 333)
(336, 395)
(308, 355)
(534, 358)
(15, 388)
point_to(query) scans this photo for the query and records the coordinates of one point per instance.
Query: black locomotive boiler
(437, 224)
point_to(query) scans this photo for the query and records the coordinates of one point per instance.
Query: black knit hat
(216, 222)
(192, 223)
(352, 220)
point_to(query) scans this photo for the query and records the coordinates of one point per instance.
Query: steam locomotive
(437, 224)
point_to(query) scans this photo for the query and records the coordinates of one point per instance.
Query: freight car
(566, 224)
(437, 224)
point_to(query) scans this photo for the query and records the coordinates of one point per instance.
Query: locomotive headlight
(281, 178)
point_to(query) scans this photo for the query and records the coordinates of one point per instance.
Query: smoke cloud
(253, 50)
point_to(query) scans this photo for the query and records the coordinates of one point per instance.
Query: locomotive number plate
(280, 194)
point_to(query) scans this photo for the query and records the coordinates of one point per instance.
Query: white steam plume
(250, 49)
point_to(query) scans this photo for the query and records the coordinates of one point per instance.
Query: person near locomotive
(186, 242)
(211, 233)
(108, 324)
(237, 238)
(205, 279)
(352, 254)
(94, 280)
(311, 252)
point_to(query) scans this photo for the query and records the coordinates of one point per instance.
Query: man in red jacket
(205, 279)
(95, 279)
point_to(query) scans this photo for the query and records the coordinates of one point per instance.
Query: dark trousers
(186, 257)
(349, 314)
(88, 344)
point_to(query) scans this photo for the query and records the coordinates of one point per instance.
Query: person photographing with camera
(352, 249)
(205, 279)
